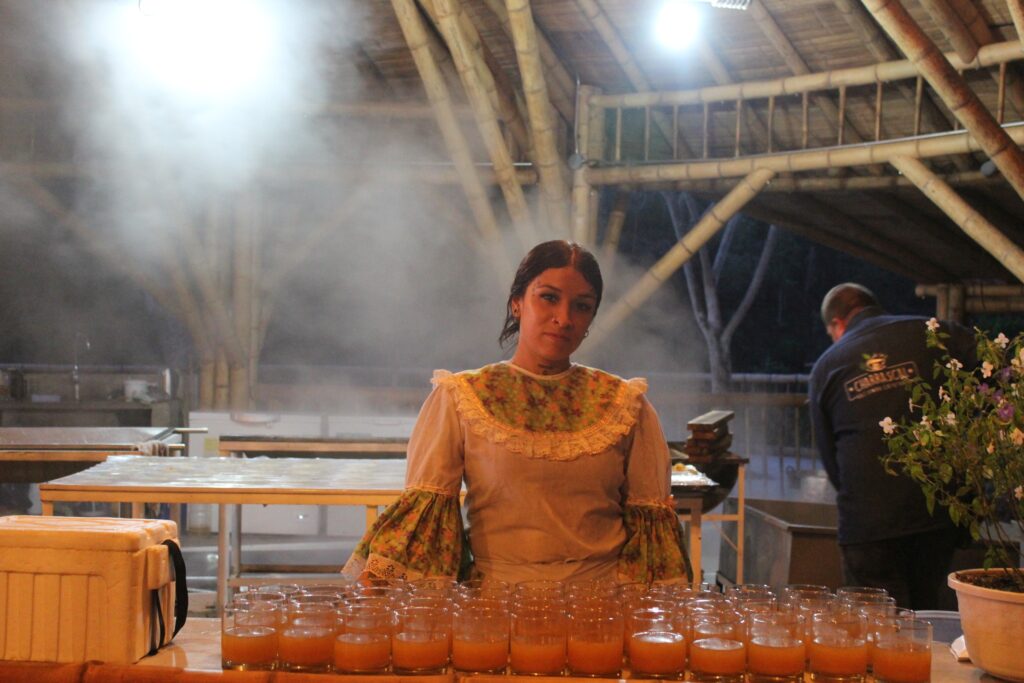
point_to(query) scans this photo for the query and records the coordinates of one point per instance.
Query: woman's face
(554, 314)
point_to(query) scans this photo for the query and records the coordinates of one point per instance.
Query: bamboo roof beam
(939, 144)
(487, 122)
(996, 53)
(860, 20)
(710, 223)
(1017, 13)
(977, 290)
(950, 86)
(818, 183)
(973, 223)
(538, 103)
(499, 90)
(953, 27)
(616, 219)
(967, 30)
(561, 84)
(437, 92)
(798, 66)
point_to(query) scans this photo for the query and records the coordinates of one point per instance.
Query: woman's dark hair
(553, 254)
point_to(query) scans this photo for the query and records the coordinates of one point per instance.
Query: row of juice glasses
(584, 629)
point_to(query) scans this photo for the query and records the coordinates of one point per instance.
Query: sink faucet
(76, 377)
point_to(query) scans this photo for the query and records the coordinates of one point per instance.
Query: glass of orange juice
(306, 640)
(538, 636)
(363, 641)
(480, 634)
(421, 639)
(837, 651)
(248, 638)
(718, 650)
(657, 643)
(903, 651)
(775, 651)
(594, 637)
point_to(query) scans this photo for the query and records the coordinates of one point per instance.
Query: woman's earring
(586, 334)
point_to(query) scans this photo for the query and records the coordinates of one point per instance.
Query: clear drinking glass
(421, 641)
(538, 637)
(902, 650)
(306, 640)
(776, 652)
(718, 650)
(656, 643)
(594, 641)
(363, 642)
(248, 638)
(837, 651)
(480, 635)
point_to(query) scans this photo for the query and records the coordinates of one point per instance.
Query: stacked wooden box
(709, 436)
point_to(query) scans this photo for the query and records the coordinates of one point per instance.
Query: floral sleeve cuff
(655, 550)
(418, 535)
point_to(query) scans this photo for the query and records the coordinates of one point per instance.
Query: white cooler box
(74, 589)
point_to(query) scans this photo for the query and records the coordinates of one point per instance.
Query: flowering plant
(966, 447)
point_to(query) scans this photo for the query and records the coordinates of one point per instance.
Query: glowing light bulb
(677, 24)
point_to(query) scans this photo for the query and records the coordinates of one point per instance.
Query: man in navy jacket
(886, 535)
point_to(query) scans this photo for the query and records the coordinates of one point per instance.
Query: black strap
(180, 587)
(180, 600)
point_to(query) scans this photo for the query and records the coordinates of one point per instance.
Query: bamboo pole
(819, 183)
(978, 291)
(1017, 13)
(885, 72)
(416, 37)
(563, 87)
(580, 188)
(939, 144)
(490, 75)
(709, 224)
(953, 27)
(440, 173)
(549, 163)
(221, 382)
(487, 123)
(978, 27)
(973, 223)
(616, 220)
(950, 86)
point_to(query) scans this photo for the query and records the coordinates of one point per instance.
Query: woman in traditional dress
(565, 466)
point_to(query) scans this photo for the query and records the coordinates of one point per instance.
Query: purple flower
(1005, 411)
(1004, 374)
(984, 389)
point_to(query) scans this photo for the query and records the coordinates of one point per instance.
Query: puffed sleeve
(420, 534)
(654, 549)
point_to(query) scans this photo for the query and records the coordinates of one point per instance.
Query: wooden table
(35, 454)
(228, 481)
(197, 647)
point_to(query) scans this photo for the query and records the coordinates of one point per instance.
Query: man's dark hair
(844, 299)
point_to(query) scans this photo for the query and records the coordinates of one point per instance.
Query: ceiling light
(677, 24)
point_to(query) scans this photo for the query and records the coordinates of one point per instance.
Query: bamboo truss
(580, 189)
(972, 222)
(1017, 13)
(709, 224)
(819, 183)
(954, 28)
(542, 125)
(437, 92)
(950, 86)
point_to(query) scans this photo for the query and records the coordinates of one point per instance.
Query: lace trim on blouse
(581, 412)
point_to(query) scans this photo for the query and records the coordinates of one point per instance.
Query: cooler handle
(180, 597)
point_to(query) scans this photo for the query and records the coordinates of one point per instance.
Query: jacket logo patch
(882, 379)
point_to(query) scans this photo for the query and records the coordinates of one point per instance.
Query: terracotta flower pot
(993, 624)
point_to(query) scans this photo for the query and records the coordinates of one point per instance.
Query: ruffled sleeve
(421, 533)
(655, 549)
